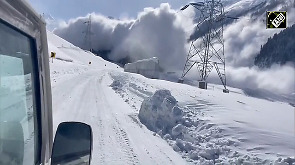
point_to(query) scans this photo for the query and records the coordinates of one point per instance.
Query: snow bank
(191, 133)
(148, 67)
(160, 112)
(194, 139)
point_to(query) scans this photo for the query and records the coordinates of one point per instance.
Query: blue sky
(66, 9)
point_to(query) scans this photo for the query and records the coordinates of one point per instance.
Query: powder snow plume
(163, 32)
(156, 32)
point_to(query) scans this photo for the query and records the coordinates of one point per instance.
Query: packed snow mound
(148, 67)
(160, 112)
(116, 85)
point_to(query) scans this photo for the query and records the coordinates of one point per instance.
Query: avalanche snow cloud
(163, 32)
(155, 32)
(243, 39)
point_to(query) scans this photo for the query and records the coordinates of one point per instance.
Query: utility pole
(88, 33)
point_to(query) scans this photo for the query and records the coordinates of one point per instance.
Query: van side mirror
(72, 144)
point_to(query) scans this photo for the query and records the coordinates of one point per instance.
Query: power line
(207, 50)
(88, 33)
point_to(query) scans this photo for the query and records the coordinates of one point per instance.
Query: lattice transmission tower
(88, 33)
(207, 49)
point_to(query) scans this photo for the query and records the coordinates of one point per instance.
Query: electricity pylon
(88, 33)
(207, 50)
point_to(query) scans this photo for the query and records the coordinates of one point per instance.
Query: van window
(18, 110)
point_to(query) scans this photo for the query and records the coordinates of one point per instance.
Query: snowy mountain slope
(81, 93)
(282, 41)
(222, 128)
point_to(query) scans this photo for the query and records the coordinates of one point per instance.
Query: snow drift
(160, 112)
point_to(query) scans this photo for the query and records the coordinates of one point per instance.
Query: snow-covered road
(118, 136)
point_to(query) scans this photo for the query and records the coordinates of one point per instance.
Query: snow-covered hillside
(163, 32)
(215, 127)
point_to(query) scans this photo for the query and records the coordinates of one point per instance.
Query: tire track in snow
(119, 136)
(151, 152)
(101, 143)
(123, 140)
(100, 139)
(63, 100)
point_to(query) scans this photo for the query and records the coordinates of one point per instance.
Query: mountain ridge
(278, 49)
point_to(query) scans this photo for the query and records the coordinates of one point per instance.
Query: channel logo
(276, 19)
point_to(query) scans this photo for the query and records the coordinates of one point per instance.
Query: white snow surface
(196, 126)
